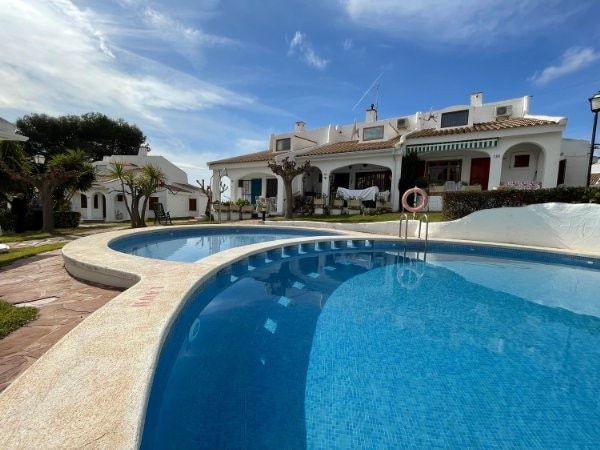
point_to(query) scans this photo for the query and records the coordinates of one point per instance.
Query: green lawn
(17, 253)
(12, 317)
(33, 235)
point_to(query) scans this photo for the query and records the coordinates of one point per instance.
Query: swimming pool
(188, 245)
(361, 345)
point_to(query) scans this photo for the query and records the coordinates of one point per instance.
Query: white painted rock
(4, 248)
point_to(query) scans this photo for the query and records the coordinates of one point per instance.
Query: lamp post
(39, 159)
(595, 107)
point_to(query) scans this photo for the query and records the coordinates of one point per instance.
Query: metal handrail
(424, 218)
(403, 217)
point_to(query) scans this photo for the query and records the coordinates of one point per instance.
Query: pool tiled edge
(91, 388)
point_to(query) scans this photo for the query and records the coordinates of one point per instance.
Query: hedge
(66, 219)
(461, 203)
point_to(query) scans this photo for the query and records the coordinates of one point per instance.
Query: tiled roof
(251, 157)
(356, 146)
(182, 187)
(485, 126)
(350, 146)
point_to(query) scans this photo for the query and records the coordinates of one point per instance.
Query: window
(83, 201)
(283, 144)
(442, 171)
(119, 197)
(521, 161)
(96, 201)
(193, 206)
(152, 201)
(372, 133)
(383, 180)
(271, 187)
(455, 118)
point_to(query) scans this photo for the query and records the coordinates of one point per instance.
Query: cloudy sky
(208, 79)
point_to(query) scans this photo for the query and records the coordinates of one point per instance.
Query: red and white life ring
(417, 206)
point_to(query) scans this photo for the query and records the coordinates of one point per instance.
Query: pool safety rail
(423, 218)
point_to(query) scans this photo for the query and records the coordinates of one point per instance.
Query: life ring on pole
(416, 207)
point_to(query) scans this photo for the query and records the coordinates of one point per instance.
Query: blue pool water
(375, 348)
(188, 245)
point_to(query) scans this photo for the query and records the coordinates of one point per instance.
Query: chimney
(477, 99)
(371, 114)
(300, 126)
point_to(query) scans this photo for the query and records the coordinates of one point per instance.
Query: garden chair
(161, 216)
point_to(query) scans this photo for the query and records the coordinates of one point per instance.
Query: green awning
(456, 145)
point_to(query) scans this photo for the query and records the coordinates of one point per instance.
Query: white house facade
(105, 200)
(475, 146)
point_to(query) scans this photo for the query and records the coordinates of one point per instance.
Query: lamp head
(595, 102)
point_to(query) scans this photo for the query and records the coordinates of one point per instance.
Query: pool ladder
(422, 218)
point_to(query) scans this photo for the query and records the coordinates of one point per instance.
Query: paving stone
(38, 277)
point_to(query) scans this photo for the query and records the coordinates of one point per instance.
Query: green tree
(137, 185)
(206, 189)
(94, 133)
(72, 160)
(288, 170)
(14, 159)
(69, 167)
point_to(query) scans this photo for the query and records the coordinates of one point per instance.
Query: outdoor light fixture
(595, 107)
(39, 159)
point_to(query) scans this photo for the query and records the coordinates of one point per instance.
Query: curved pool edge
(92, 387)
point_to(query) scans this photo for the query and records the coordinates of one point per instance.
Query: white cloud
(574, 59)
(179, 34)
(70, 61)
(64, 62)
(474, 22)
(347, 44)
(300, 44)
(249, 145)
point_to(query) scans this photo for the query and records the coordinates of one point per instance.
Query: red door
(480, 172)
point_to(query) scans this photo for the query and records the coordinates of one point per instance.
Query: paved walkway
(63, 301)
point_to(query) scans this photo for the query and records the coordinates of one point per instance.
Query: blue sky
(210, 79)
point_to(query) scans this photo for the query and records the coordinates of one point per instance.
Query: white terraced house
(105, 202)
(475, 146)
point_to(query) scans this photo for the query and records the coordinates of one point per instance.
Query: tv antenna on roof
(373, 84)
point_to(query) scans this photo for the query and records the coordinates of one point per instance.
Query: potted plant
(234, 211)
(336, 205)
(319, 204)
(338, 202)
(246, 208)
(220, 210)
(354, 205)
(436, 187)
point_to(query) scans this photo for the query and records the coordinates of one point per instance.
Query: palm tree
(137, 185)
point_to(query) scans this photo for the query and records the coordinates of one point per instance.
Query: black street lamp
(595, 107)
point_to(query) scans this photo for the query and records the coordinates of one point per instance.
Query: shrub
(66, 219)
(242, 202)
(461, 203)
(7, 219)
